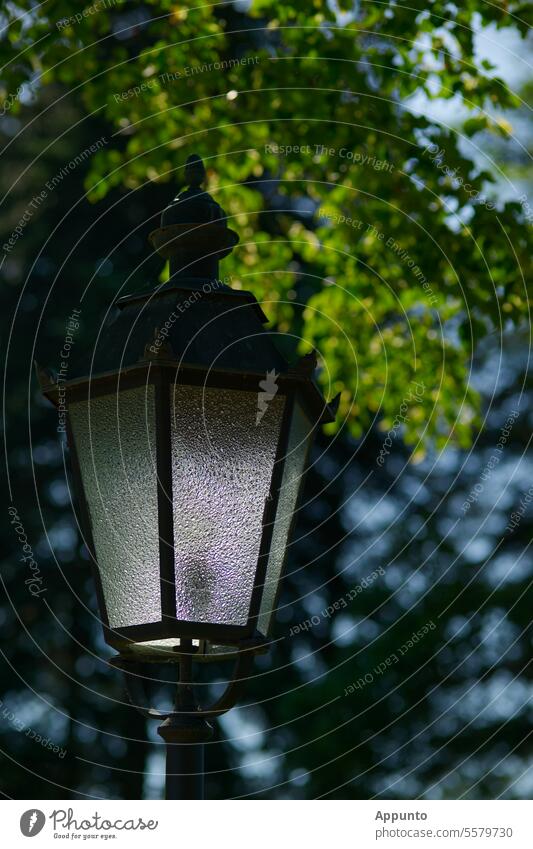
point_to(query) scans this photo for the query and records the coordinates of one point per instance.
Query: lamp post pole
(184, 771)
(185, 735)
(190, 445)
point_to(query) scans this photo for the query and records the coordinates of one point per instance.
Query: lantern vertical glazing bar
(164, 495)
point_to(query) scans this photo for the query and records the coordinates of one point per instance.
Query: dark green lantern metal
(189, 435)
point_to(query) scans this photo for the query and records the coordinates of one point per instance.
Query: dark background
(450, 719)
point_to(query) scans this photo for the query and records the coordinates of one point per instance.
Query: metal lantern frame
(163, 375)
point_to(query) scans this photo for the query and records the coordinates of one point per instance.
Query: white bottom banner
(235, 824)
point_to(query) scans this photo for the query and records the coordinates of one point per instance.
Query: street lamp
(189, 434)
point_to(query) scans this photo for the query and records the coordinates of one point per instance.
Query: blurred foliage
(318, 77)
(450, 717)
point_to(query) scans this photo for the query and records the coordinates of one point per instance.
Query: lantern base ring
(186, 711)
(185, 729)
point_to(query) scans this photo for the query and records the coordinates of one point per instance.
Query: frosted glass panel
(116, 453)
(222, 466)
(299, 440)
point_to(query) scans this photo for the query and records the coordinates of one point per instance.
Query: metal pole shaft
(185, 733)
(185, 771)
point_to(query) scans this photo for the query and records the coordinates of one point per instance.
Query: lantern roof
(213, 329)
(195, 320)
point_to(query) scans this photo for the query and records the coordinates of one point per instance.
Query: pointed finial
(194, 171)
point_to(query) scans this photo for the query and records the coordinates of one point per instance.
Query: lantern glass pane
(222, 463)
(301, 434)
(114, 437)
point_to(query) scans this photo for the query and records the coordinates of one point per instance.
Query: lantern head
(189, 435)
